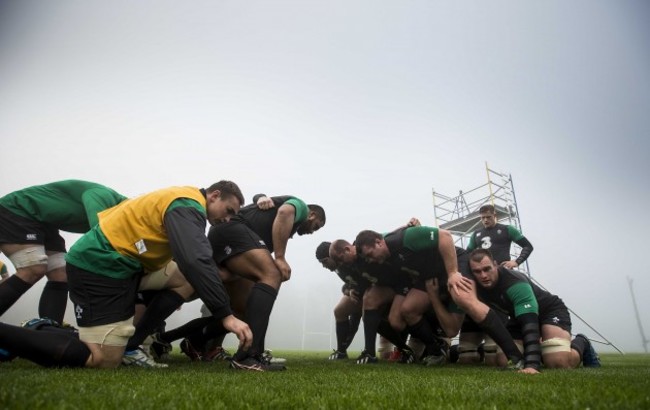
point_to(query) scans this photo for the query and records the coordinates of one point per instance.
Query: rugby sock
(11, 290)
(392, 335)
(579, 345)
(214, 330)
(258, 310)
(342, 335)
(55, 350)
(54, 300)
(371, 321)
(355, 320)
(193, 326)
(159, 309)
(423, 331)
(495, 328)
(215, 334)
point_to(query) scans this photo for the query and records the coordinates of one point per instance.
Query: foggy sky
(363, 107)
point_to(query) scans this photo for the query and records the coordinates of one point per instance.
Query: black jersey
(515, 295)
(497, 240)
(353, 277)
(261, 221)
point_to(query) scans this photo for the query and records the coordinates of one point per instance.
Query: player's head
(484, 267)
(315, 220)
(371, 246)
(488, 215)
(323, 256)
(223, 200)
(343, 252)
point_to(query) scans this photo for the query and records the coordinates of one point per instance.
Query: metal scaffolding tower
(460, 216)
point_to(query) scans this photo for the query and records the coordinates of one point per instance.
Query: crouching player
(535, 313)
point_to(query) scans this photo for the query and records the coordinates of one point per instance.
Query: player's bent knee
(556, 353)
(30, 263)
(113, 334)
(111, 337)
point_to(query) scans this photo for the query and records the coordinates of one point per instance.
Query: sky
(364, 107)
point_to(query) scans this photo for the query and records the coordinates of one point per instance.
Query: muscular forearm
(448, 251)
(282, 230)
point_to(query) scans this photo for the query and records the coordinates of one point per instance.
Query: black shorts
(100, 300)
(557, 315)
(15, 229)
(232, 238)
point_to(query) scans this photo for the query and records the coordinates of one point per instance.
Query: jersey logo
(227, 250)
(78, 311)
(140, 246)
(432, 238)
(499, 231)
(527, 306)
(556, 320)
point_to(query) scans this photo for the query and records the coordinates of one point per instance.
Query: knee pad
(112, 334)
(555, 345)
(24, 258)
(56, 261)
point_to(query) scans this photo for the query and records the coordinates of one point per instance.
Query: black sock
(371, 321)
(10, 291)
(215, 338)
(54, 300)
(495, 328)
(56, 349)
(258, 310)
(213, 330)
(423, 331)
(342, 335)
(579, 344)
(194, 325)
(354, 321)
(392, 335)
(159, 309)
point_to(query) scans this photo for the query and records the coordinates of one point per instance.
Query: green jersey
(70, 205)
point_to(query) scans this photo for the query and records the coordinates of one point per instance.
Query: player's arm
(526, 313)
(185, 227)
(526, 248)
(192, 252)
(281, 232)
(263, 202)
(450, 322)
(455, 280)
(471, 245)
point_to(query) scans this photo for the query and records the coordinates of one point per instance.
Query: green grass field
(313, 382)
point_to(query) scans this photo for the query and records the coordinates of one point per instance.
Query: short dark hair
(366, 238)
(323, 250)
(478, 254)
(227, 189)
(487, 208)
(319, 211)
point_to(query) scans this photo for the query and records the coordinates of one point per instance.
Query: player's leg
(30, 262)
(256, 265)
(414, 306)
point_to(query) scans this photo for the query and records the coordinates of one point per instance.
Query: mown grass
(311, 382)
